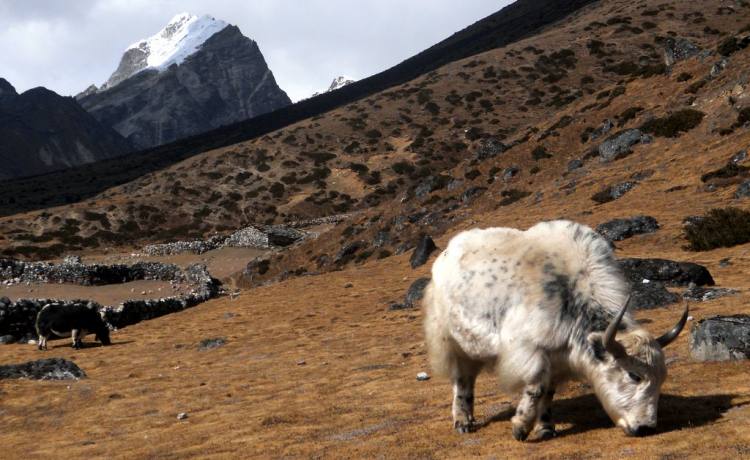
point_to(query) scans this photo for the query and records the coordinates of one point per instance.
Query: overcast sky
(65, 45)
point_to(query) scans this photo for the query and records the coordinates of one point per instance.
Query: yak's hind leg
(536, 370)
(463, 376)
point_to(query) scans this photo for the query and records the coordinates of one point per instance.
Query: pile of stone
(334, 219)
(177, 247)
(17, 318)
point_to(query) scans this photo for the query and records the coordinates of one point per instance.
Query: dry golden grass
(315, 369)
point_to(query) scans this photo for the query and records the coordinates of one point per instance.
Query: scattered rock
(43, 369)
(575, 164)
(738, 157)
(5, 339)
(613, 192)
(700, 294)
(422, 376)
(725, 262)
(605, 127)
(348, 286)
(347, 252)
(381, 239)
(301, 362)
(397, 306)
(422, 252)
(511, 172)
(619, 229)
(471, 193)
(208, 344)
(678, 49)
(718, 67)
(416, 292)
(256, 267)
(721, 338)
(182, 416)
(666, 271)
(743, 190)
(618, 145)
(647, 296)
(489, 148)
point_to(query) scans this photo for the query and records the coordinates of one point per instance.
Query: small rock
(738, 157)
(575, 164)
(422, 376)
(725, 262)
(743, 190)
(700, 294)
(348, 285)
(719, 67)
(397, 306)
(416, 291)
(647, 296)
(209, 344)
(678, 49)
(301, 362)
(489, 148)
(721, 338)
(182, 416)
(5, 339)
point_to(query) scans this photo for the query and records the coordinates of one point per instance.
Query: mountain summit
(181, 37)
(338, 82)
(196, 74)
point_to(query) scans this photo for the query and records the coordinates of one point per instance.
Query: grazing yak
(73, 320)
(541, 306)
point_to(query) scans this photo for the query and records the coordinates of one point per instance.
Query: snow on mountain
(338, 82)
(182, 36)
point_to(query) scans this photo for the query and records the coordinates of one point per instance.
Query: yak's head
(628, 371)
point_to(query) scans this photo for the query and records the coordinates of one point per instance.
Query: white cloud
(65, 46)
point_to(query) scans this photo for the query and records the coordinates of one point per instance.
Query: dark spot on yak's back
(548, 268)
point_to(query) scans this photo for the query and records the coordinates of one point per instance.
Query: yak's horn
(669, 337)
(611, 332)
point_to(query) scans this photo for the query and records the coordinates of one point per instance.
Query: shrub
(540, 153)
(720, 227)
(674, 124)
(511, 196)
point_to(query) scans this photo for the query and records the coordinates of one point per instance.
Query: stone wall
(17, 319)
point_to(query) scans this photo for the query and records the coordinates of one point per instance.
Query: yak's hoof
(520, 432)
(465, 427)
(77, 346)
(547, 433)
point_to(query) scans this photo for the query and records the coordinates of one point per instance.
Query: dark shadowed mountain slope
(41, 131)
(521, 19)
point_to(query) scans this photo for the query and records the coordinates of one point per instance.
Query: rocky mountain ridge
(42, 131)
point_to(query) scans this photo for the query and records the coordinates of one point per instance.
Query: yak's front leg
(463, 403)
(530, 407)
(75, 335)
(545, 426)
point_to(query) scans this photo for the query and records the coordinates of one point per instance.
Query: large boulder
(422, 252)
(280, 235)
(619, 229)
(647, 296)
(618, 145)
(721, 338)
(416, 291)
(43, 369)
(669, 272)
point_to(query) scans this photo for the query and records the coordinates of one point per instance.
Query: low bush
(675, 124)
(720, 227)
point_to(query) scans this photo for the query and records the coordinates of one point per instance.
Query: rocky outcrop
(721, 338)
(669, 272)
(620, 229)
(422, 252)
(41, 131)
(619, 144)
(43, 369)
(224, 81)
(646, 296)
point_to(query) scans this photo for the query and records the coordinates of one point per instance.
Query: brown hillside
(317, 366)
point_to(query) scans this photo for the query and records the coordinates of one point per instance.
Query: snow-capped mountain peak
(338, 82)
(181, 37)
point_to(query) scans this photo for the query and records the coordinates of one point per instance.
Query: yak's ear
(596, 346)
